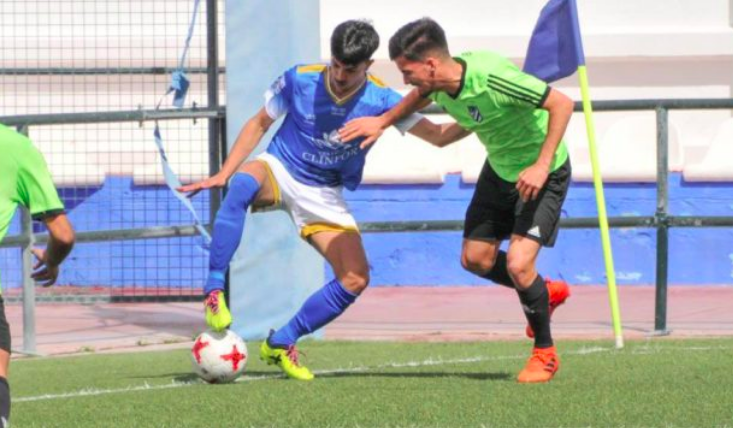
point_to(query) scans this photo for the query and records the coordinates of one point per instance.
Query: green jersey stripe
(495, 84)
(502, 106)
(515, 86)
(512, 94)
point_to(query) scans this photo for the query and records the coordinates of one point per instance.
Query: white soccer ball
(219, 357)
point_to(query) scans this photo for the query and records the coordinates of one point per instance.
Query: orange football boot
(541, 366)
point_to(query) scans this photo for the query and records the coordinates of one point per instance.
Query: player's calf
(559, 291)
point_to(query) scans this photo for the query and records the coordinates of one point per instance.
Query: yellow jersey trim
(345, 98)
(376, 80)
(275, 187)
(311, 229)
(313, 68)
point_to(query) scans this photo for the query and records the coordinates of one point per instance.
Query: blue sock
(320, 309)
(228, 227)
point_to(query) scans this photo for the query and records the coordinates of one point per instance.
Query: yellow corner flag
(556, 51)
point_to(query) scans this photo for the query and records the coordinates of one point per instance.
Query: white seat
(398, 159)
(70, 165)
(628, 152)
(186, 149)
(717, 164)
(188, 167)
(473, 157)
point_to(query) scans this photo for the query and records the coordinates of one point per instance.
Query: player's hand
(371, 128)
(44, 273)
(531, 180)
(216, 180)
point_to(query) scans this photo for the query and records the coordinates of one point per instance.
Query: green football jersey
(502, 105)
(24, 180)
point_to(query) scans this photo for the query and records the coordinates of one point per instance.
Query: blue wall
(118, 204)
(697, 256)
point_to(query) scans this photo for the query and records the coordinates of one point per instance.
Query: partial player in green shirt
(522, 186)
(25, 180)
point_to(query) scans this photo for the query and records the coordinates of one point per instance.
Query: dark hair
(354, 41)
(415, 39)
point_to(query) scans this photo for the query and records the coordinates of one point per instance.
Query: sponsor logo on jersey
(333, 150)
(475, 113)
(338, 111)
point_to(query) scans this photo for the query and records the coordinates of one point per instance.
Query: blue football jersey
(307, 142)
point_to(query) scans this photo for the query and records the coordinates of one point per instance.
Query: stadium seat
(717, 163)
(627, 152)
(71, 165)
(473, 156)
(188, 165)
(186, 147)
(397, 159)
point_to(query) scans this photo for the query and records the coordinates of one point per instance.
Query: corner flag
(556, 51)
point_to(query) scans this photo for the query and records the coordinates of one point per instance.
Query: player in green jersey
(25, 180)
(519, 194)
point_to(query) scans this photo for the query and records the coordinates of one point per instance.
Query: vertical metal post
(217, 127)
(29, 286)
(212, 79)
(223, 154)
(660, 309)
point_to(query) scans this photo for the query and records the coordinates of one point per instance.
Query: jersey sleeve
(405, 124)
(279, 94)
(35, 186)
(512, 87)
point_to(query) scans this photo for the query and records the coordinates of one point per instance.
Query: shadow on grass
(274, 375)
(472, 376)
(191, 377)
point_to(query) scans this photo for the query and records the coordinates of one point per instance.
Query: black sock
(499, 274)
(4, 402)
(536, 304)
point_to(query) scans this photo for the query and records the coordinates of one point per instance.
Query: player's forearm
(439, 135)
(450, 133)
(411, 103)
(446, 134)
(246, 142)
(61, 240)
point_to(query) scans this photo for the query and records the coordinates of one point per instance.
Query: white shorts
(313, 209)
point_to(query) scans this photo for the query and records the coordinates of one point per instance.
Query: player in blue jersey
(304, 170)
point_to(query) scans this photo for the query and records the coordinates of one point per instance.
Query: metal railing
(216, 137)
(661, 220)
(27, 239)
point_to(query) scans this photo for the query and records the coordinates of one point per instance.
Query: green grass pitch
(654, 383)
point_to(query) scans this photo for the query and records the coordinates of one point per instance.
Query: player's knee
(520, 269)
(355, 282)
(243, 188)
(476, 263)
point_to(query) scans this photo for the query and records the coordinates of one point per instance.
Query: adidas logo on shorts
(535, 231)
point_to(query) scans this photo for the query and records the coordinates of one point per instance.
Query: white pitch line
(355, 369)
(91, 392)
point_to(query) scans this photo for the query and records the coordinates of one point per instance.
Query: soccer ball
(219, 357)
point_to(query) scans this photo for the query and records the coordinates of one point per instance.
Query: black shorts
(4, 328)
(496, 211)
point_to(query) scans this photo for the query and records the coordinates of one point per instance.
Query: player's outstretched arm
(440, 135)
(247, 140)
(61, 241)
(371, 128)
